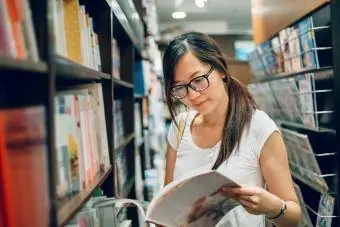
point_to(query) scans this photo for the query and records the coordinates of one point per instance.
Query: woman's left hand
(255, 200)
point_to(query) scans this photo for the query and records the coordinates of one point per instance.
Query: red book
(7, 215)
(26, 146)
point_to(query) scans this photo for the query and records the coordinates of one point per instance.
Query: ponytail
(240, 110)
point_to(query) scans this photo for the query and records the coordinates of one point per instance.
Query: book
(325, 211)
(309, 54)
(196, 200)
(25, 142)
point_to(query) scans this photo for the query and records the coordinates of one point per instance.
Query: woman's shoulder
(261, 127)
(261, 123)
(260, 118)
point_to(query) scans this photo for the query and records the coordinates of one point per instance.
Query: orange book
(16, 18)
(7, 212)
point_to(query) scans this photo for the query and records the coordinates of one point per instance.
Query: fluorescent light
(179, 15)
(200, 3)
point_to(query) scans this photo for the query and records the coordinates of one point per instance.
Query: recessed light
(179, 15)
(200, 3)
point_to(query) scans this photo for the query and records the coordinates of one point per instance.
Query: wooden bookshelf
(37, 83)
(71, 70)
(69, 206)
(7, 63)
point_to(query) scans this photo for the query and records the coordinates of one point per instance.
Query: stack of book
(74, 33)
(17, 34)
(81, 138)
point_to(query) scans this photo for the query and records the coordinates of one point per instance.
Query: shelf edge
(68, 210)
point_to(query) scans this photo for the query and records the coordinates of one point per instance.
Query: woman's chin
(204, 109)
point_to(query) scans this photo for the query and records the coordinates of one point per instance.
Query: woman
(223, 130)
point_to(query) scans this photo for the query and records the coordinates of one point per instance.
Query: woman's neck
(217, 117)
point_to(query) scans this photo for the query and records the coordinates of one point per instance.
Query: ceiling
(217, 17)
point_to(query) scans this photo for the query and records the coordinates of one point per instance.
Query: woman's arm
(275, 170)
(170, 164)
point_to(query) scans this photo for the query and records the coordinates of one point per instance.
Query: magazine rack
(296, 85)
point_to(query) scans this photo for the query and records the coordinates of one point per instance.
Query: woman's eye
(199, 79)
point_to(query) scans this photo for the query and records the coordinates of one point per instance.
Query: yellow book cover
(73, 30)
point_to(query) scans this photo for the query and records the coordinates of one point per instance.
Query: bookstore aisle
(297, 73)
(80, 98)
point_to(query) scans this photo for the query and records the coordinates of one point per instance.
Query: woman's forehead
(188, 67)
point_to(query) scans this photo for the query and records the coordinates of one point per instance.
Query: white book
(306, 100)
(295, 50)
(83, 38)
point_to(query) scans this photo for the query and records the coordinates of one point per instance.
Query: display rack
(297, 84)
(24, 83)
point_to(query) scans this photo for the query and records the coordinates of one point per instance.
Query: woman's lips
(199, 104)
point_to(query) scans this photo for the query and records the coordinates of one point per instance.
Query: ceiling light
(200, 3)
(179, 15)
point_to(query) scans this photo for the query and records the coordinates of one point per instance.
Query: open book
(194, 201)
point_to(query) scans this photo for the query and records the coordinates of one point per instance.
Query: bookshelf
(297, 84)
(68, 206)
(25, 83)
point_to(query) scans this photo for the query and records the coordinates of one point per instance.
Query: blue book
(308, 47)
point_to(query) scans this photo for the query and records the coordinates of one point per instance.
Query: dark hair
(241, 104)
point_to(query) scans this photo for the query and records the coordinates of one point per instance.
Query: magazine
(194, 201)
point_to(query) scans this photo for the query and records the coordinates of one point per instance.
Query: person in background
(224, 130)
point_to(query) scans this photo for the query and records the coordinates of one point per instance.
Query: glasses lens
(179, 91)
(200, 83)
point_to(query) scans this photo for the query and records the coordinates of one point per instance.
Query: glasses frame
(186, 86)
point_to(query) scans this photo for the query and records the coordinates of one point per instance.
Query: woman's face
(187, 70)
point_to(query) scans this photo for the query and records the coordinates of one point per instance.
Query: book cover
(325, 212)
(307, 99)
(73, 33)
(279, 62)
(307, 40)
(294, 49)
(284, 42)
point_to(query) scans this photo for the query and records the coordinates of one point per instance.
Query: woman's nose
(192, 94)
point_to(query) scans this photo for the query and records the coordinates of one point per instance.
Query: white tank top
(242, 166)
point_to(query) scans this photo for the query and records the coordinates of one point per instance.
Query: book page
(194, 202)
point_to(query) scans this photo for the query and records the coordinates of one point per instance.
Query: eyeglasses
(199, 83)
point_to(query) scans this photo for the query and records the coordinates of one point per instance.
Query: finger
(246, 204)
(251, 199)
(246, 191)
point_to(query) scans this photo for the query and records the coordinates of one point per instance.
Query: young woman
(225, 131)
